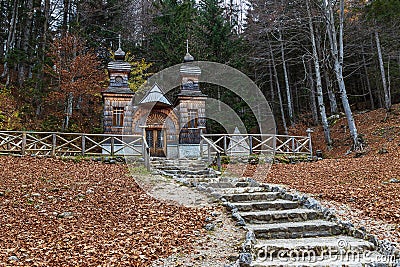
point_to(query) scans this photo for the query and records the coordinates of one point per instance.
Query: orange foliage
(77, 71)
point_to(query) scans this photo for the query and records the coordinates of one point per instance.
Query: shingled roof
(154, 95)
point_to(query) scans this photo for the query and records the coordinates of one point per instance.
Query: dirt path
(219, 246)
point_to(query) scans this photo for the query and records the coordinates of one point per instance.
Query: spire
(188, 57)
(119, 54)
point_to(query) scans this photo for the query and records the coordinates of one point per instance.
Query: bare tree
(386, 90)
(286, 77)
(320, 96)
(337, 52)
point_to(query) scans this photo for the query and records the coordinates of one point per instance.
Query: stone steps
(183, 168)
(187, 172)
(239, 190)
(227, 182)
(289, 230)
(251, 196)
(281, 227)
(277, 216)
(232, 185)
(319, 261)
(278, 204)
(317, 245)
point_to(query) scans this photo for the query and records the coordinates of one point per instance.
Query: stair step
(278, 204)
(179, 171)
(316, 245)
(246, 184)
(221, 185)
(240, 190)
(320, 261)
(194, 178)
(304, 229)
(251, 196)
(274, 216)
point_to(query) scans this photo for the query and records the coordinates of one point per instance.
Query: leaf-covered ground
(379, 130)
(61, 213)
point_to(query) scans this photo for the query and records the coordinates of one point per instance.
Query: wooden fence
(211, 145)
(214, 145)
(71, 144)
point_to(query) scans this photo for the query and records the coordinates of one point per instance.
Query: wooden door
(156, 141)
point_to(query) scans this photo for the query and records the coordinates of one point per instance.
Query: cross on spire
(119, 54)
(188, 57)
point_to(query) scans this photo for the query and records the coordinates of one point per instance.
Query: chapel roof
(155, 95)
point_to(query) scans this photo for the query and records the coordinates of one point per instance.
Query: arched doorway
(156, 134)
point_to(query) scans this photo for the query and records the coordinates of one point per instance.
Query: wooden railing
(70, 144)
(212, 145)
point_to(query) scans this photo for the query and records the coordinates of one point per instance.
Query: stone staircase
(193, 170)
(283, 229)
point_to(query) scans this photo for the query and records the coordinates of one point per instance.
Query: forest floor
(65, 213)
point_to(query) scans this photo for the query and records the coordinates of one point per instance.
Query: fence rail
(246, 144)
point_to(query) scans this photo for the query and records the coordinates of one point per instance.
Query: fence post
(201, 148)
(83, 144)
(143, 148)
(251, 144)
(146, 158)
(309, 132)
(219, 161)
(225, 143)
(23, 145)
(8, 143)
(274, 144)
(112, 145)
(53, 145)
(201, 143)
(293, 147)
(209, 153)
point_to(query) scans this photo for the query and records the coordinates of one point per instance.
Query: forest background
(315, 60)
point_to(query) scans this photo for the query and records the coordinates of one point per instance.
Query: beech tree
(320, 96)
(383, 16)
(337, 53)
(76, 83)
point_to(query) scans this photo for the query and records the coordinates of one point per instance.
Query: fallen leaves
(359, 182)
(60, 213)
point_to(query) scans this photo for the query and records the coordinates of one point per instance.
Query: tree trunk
(25, 41)
(68, 113)
(331, 94)
(386, 91)
(371, 97)
(3, 25)
(313, 103)
(288, 92)
(10, 41)
(398, 60)
(271, 86)
(320, 95)
(278, 89)
(337, 52)
(65, 22)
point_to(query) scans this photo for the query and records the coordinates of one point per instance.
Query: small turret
(118, 97)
